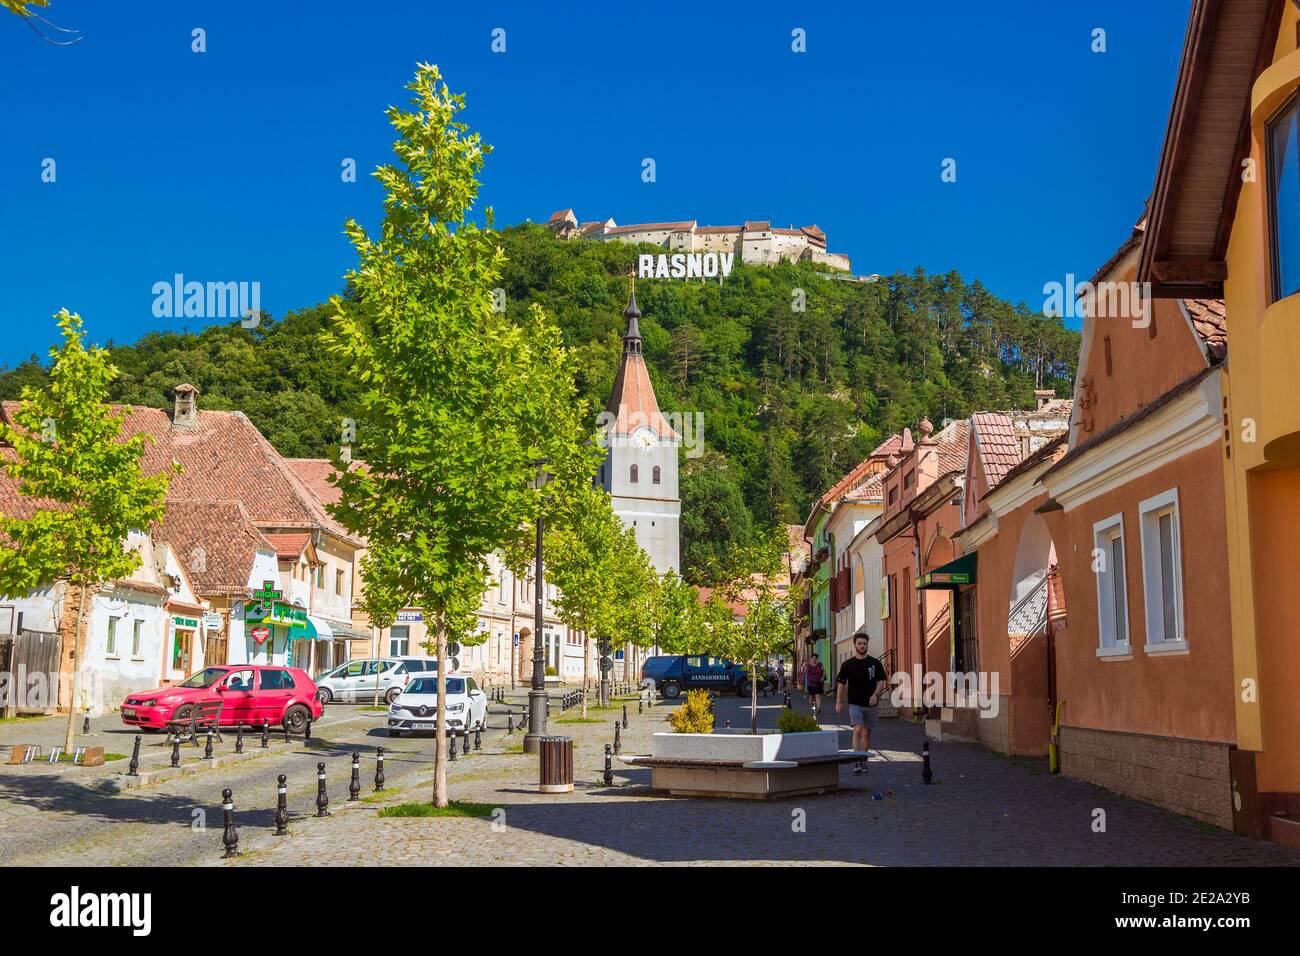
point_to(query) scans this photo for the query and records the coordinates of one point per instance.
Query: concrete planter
(735, 745)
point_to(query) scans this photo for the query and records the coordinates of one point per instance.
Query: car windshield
(429, 685)
(204, 678)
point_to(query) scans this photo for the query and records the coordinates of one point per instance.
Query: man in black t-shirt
(860, 680)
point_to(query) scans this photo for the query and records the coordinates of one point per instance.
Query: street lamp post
(537, 693)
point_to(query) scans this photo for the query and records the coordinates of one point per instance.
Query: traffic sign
(606, 665)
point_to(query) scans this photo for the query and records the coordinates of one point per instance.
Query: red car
(249, 695)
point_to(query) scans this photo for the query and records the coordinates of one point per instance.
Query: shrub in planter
(552, 672)
(797, 722)
(693, 717)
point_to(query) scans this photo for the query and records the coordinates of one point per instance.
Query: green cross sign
(268, 592)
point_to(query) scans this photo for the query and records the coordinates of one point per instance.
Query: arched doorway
(1031, 654)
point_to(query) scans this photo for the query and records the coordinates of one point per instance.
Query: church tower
(640, 467)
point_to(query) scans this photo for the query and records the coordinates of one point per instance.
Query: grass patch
(20, 717)
(456, 808)
(67, 758)
(372, 709)
(514, 748)
(381, 795)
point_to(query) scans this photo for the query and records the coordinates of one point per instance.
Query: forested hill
(790, 398)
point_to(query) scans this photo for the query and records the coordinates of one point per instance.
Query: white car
(357, 680)
(416, 709)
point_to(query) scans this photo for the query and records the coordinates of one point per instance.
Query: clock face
(644, 437)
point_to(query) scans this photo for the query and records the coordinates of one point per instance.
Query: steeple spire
(632, 333)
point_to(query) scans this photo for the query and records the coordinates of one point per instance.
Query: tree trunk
(440, 748)
(586, 670)
(375, 644)
(753, 697)
(69, 740)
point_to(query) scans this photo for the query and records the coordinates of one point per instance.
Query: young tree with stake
(84, 483)
(459, 402)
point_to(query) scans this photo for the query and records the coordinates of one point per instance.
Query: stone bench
(745, 779)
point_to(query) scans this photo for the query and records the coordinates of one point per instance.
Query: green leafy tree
(83, 481)
(766, 624)
(680, 622)
(457, 402)
(606, 584)
(714, 516)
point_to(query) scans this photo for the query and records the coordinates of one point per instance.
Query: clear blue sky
(225, 165)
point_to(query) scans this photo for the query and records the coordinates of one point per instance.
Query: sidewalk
(982, 809)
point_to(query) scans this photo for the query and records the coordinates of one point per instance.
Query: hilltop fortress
(754, 242)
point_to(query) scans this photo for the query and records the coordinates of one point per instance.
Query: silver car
(358, 680)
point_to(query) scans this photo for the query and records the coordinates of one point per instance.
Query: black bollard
(510, 723)
(207, 750)
(478, 739)
(354, 788)
(625, 716)
(176, 751)
(618, 740)
(640, 702)
(239, 739)
(728, 723)
(281, 807)
(787, 700)
(379, 770)
(85, 725)
(229, 836)
(609, 766)
(266, 734)
(322, 798)
(464, 743)
(306, 737)
(926, 774)
(133, 769)
(451, 747)
(286, 732)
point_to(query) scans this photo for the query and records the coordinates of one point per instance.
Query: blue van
(672, 674)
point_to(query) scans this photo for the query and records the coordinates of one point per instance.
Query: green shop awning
(282, 615)
(950, 576)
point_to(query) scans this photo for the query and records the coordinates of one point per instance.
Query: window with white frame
(110, 643)
(399, 641)
(137, 637)
(1112, 593)
(1162, 571)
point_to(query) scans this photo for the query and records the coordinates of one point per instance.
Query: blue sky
(225, 165)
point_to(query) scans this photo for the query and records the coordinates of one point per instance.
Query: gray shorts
(862, 716)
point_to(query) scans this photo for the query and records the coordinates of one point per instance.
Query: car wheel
(323, 695)
(391, 694)
(295, 719)
(670, 689)
(394, 733)
(743, 688)
(183, 712)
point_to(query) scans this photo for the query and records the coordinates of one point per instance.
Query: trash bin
(556, 765)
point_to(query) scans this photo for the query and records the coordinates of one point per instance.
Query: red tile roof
(758, 225)
(996, 445)
(315, 473)
(1210, 320)
(288, 545)
(215, 540)
(684, 226)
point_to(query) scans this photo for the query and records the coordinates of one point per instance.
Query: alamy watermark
(626, 428)
(179, 298)
(1113, 300)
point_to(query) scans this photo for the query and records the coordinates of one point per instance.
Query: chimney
(185, 408)
(1044, 395)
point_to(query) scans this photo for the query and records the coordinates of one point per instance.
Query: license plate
(425, 726)
(128, 712)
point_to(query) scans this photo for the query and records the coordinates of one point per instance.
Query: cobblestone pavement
(982, 809)
(60, 816)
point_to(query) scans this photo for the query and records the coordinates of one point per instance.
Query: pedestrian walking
(814, 679)
(859, 682)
